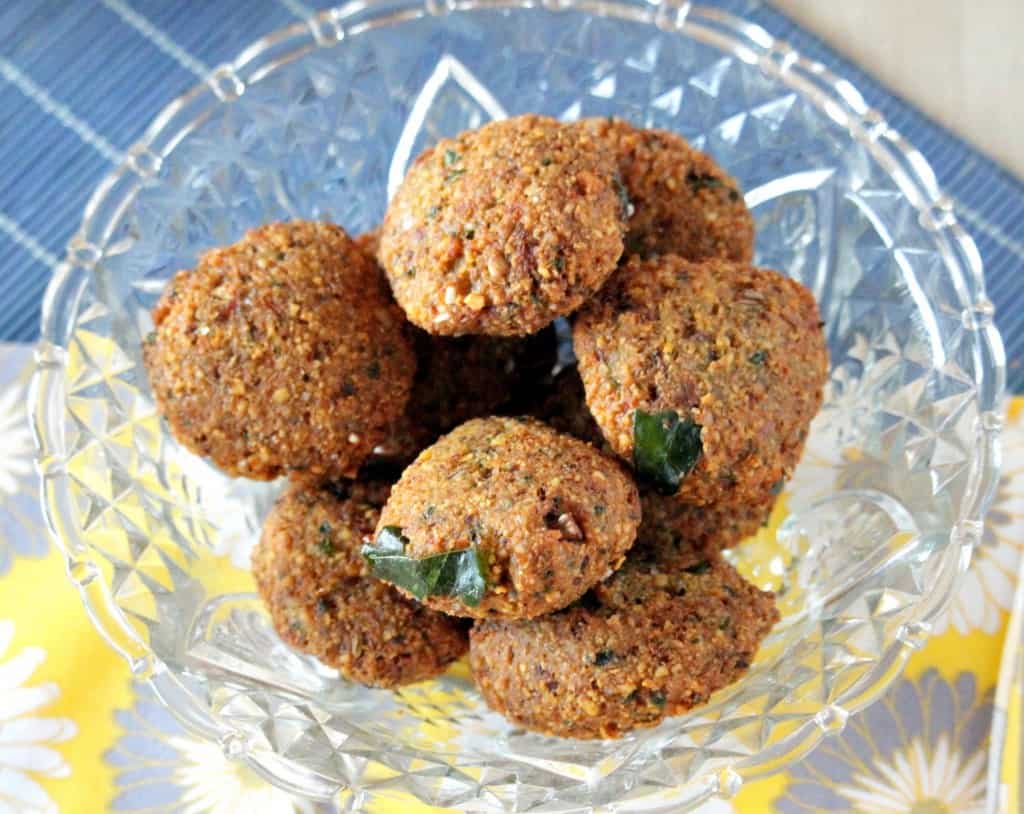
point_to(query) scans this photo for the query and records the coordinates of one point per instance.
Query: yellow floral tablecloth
(77, 734)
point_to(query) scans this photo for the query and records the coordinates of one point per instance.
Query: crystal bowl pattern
(319, 121)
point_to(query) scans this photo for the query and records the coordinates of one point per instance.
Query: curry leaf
(462, 574)
(665, 448)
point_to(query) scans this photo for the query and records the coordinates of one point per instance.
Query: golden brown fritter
(683, 202)
(310, 573)
(667, 521)
(280, 354)
(464, 377)
(502, 229)
(559, 401)
(737, 351)
(549, 515)
(655, 639)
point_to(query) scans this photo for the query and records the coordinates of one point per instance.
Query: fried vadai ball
(655, 639)
(682, 201)
(712, 528)
(502, 229)
(464, 377)
(705, 375)
(523, 519)
(314, 581)
(561, 404)
(280, 354)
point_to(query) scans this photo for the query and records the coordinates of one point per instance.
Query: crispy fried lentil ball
(369, 243)
(550, 514)
(309, 571)
(561, 404)
(280, 354)
(667, 521)
(464, 377)
(739, 351)
(502, 229)
(683, 202)
(655, 639)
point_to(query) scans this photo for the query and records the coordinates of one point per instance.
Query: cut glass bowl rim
(834, 96)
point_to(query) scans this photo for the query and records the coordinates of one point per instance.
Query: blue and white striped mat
(81, 79)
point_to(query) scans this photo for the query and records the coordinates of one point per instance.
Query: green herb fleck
(625, 204)
(604, 657)
(470, 234)
(778, 486)
(599, 509)
(452, 175)
(325, 544)
(373, 370)
(410, 272)
(559, 263)
(450, 157)
(665, 448)
(324, 604)
(462, 574)
(759, 357)
(699, 182)
(725, 623)
(432, 212)
(546, 162)
(701, 567)
(150, 338)
(658, 699)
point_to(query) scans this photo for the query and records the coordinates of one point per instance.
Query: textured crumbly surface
(738, 350)
(561, 403)
(683, 202)
(666, 521)
(654, 640)
(309, 571)
(503, 229)
(551, 514)
(459, 378)
(280, 354)
(466, 377)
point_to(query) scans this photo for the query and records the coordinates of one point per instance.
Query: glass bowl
(319, 121)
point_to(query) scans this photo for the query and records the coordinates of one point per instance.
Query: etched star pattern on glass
(882, 513)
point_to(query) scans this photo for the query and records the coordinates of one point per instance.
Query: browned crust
(280, 354)
(551, 513)
(712, 528)
(738, 350)
(502, 229)
(683, 202)
(311, 575)
(654, 640)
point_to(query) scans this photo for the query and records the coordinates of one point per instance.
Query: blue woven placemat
(80, 81)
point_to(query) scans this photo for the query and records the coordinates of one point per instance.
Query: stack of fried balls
(455, 484)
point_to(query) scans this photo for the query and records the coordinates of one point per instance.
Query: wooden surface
(960, 61)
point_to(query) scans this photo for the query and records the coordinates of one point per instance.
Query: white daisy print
(212, 784)
(21, 526)
(986, 590)
(920, 749)
(924, 778)
(161, 769)
(26, 737)
(16, 462)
